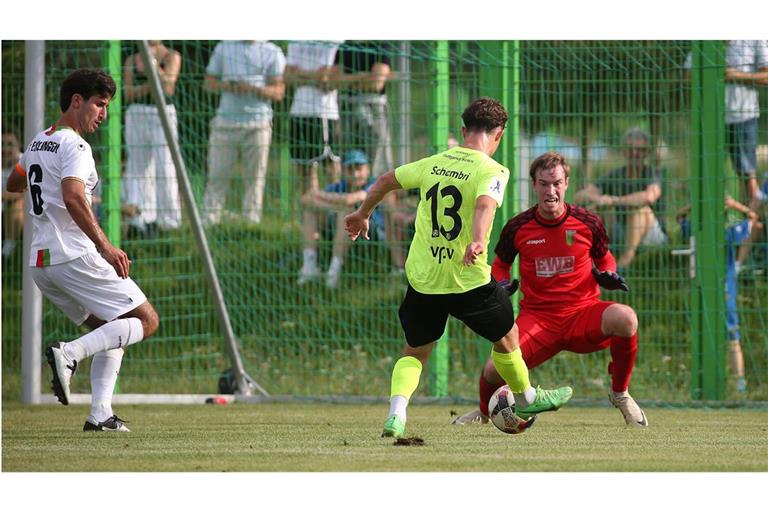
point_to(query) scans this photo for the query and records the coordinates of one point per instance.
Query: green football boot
(546, 400)
(393, 427)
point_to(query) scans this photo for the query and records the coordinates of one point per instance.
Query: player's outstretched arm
(17, 181)
(73, 193)
(481, 223)
(356, 223)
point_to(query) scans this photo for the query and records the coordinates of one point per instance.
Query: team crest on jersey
(569, 236)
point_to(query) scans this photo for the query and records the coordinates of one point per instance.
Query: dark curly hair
(86, 83)
(484, 114)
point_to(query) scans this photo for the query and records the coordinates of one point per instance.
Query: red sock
(486, 390)
(623, 352)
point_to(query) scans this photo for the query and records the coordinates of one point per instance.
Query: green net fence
(593, 101)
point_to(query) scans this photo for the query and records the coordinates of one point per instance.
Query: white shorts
(655, 235)
(88, 286)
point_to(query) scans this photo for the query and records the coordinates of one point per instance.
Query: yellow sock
(405, 376)
(512, 369)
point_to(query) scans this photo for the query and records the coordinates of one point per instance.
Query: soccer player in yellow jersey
(460, 190)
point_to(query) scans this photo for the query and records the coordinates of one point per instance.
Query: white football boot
(472, 417)
(633, 414)
(63, 368)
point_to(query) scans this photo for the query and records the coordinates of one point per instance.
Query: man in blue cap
(319, 205)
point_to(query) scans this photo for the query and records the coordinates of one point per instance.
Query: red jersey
(555, 257)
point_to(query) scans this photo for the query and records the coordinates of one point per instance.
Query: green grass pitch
(298, 437)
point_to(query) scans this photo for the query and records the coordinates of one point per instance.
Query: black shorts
(312, 139)
(486, 310)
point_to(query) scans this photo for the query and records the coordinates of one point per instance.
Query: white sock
(525, 398)
(310, 258)
(115, 334)
(335, 266)
(397, 405)
(104, 369)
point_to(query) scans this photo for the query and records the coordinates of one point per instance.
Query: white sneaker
(633, 414)
(306, 274)
(63, 368)
(332, 279)
(111, 424)
(472, 417)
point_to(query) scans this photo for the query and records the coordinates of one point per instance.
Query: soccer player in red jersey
(564, 256)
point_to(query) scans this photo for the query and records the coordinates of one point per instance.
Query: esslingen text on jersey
(44, 145)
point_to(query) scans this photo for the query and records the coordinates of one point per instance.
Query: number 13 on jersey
(451, 211)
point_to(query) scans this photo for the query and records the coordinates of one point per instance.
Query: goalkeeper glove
(509, 286)
(609, 280)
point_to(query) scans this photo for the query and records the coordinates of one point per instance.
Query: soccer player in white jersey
(73, 263)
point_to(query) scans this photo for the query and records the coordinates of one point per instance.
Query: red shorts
(544, 334)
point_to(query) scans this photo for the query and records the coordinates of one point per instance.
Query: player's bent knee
(620, 320)
(148, 317)
(421, 353)
(151, 322)
(510, 342)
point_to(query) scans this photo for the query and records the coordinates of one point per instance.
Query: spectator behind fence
(329, 204)
(314, 113)
(249, 76)
(746, 68)
(634, 191)
(13, 203)
(365, 70)
(735, 235)
(150, 188)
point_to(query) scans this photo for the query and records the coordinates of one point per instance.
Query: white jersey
(309, 101)
(741, 102)
(52, 156)
(255, 62)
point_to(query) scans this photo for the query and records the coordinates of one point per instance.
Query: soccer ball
(501, 406)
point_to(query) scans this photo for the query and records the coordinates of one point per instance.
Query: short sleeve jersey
(555, 257)
(255, 62)
(53, 156)
(449, 184)
(618, 182)
(310, 101)
(741, 100)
